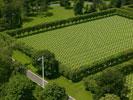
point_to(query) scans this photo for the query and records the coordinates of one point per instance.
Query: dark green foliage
(117, 3)
(78, 7)
(65, 3)
(110, 81)
(53, 92)
(51, 65)
(18, 88)
(128, 2)
(12, 16)
(92, 8)
(6, 64)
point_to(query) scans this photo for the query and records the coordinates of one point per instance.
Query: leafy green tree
(110, 81)
(18, 88)
(43, 4)
(92, 8)
(6, 66)
(110, 97)
(78, 7)
(12, 15)
(51, 66)
(117, 3)
(65, 3)
(53, 92)
(26, 7)
(128, 2)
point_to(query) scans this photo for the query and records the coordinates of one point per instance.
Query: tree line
(14, 12)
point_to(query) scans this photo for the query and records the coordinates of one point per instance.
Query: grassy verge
(76, 90)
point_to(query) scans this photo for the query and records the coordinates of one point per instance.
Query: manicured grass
(21, 57)
(85, 43)
(58, 14)
(76, 90)
(129, 82)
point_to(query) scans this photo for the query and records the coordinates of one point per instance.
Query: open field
(85, 43)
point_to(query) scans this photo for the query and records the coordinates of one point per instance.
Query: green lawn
(20, 57)
(76, 90)
(85, 43)
(58, 14)
(129, 82)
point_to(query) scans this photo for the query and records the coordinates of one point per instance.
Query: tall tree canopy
(50, 63)
(78, 7)
(18, 88)
(12, 14)
(53, 92)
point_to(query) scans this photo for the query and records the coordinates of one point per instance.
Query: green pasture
(82, 44)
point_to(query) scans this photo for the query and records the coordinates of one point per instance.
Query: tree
(18, 88)
(43, 4)
(12, 15)
(26, 7)
(128, 2)
(86, 9)
(53, 92)
(110, 81)
(110, 97)
(117, 3)
(78, 7)
(92, 8)
(65, 3)
(6, 66)
(51, 65)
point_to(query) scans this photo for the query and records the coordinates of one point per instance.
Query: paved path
(35, 78)
(38, 80)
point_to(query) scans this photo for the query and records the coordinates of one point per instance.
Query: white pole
(43, 70)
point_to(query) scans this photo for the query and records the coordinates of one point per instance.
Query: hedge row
(77, 74)
(125, 13)
(61, 23)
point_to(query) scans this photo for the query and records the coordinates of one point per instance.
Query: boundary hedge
(22, 32)
(61, 23)
(78, 74)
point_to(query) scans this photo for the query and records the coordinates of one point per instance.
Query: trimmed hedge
(83, 71)
(61, 23)
(70, 21)
(78, 74)
(125, 13)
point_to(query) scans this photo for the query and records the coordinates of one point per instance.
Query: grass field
(58, 14)
(129, 82)
(85, 43)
